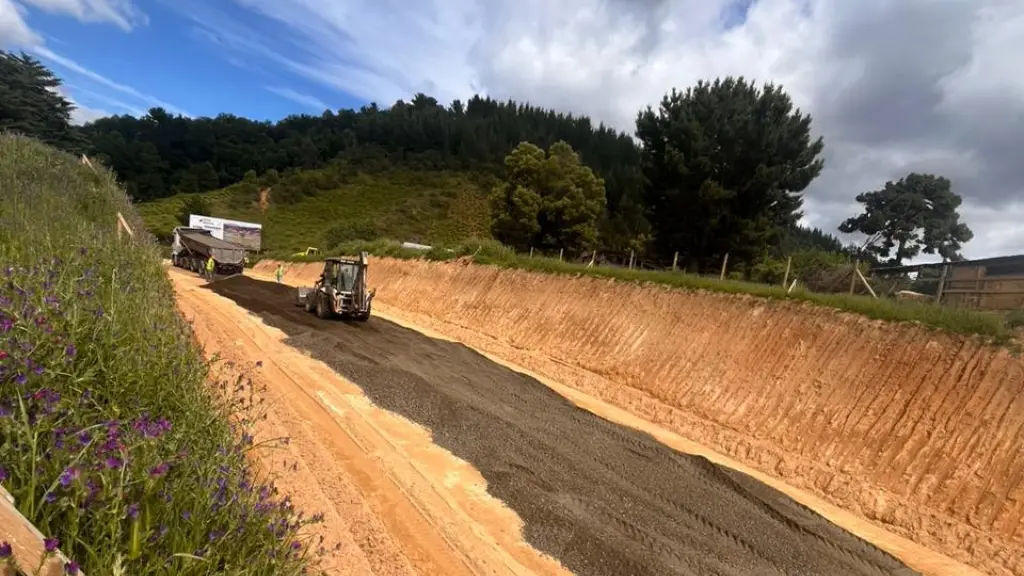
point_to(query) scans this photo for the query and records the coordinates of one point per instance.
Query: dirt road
(601, 498)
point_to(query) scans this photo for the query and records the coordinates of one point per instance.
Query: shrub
(111, 441)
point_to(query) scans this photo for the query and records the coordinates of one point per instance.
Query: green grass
(111, 440)
(991, 326)
(427, 207)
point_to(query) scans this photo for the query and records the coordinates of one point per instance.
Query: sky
(893, 86)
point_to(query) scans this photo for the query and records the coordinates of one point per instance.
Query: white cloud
(80, 114)
(16, 33)
(299, 98)
(893, 85)
(77, 68)
(122, 13)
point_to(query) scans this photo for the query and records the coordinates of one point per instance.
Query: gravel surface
(603, 499)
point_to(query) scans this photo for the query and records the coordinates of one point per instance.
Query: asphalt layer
(604, 499)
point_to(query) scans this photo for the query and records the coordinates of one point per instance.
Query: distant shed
(985, 284)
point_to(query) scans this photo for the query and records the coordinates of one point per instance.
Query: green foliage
(916, 214)
(31, 103)
(350, 231)
(425, 207)
(488, 252)
(194, 204)
(111, 439)
(548, 202)
(725, 163)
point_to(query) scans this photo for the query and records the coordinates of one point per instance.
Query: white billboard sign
(245, 234)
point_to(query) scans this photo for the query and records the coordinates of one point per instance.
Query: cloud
(299, 98)
(77, 68)
(14, 31)
(80, 114)
(119, 106)
(122, 13)
(893, 85)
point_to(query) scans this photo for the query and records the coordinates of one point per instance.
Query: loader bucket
(300, 295)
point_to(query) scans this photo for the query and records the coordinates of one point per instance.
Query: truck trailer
(192, 247)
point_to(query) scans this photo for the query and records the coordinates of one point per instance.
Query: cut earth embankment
(602, 498)
(915, 430)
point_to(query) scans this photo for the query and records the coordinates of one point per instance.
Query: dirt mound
(603, 499)
(918, 431)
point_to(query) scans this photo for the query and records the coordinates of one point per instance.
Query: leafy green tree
(918, 213)
(548, 201)
(725, 164)
(31, 104)
(194, 205)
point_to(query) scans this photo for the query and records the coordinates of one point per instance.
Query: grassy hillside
(426, 207)
(111, 439)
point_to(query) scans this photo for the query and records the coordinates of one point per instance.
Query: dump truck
(192, 247)
(340, 290)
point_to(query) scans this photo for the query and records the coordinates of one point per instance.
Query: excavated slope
(918, 431)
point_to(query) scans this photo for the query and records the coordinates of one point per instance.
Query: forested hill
(160, 154)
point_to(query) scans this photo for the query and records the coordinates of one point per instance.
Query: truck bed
(222, 251)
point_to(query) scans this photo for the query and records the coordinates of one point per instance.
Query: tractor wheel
(321, 307)
(310, 304)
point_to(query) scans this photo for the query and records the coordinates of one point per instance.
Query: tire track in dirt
(401, 503)
(603, 499)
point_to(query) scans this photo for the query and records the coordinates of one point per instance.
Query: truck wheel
(310, 304)
(321, 307)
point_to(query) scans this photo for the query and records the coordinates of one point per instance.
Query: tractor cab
(340, 290)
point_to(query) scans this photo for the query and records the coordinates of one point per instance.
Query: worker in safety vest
(279, 273)
(210, 268)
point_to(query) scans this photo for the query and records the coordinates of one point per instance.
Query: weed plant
(111, 441)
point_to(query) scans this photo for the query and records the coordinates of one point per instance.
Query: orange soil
(395, 502)
(917, 431)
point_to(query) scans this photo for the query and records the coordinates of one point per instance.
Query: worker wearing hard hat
(210, 266)
(279, 273)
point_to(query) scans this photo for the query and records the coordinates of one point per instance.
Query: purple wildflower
(5, 550)
(186, 515)
(20, 379)
(50, 498)
(71, 568)
(70, 352)
(133, 511)
(159, 470)
(68, 476)
(296, 545)
(50, 544)
(113, 462)
(3, 474)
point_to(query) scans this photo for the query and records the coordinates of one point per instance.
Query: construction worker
(209, 268)
(279, 273)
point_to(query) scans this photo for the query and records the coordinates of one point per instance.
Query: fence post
(632, 258)
(560, 254)
(593, 258)
(942, 284)
(531, 251)
(785, 278)
(675, 260)
(725, 265)
(853, 274)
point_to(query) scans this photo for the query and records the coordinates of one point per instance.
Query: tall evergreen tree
(31, 104)
(724, 165)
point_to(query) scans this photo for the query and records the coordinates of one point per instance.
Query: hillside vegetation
(440, 207)
(111, 441)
